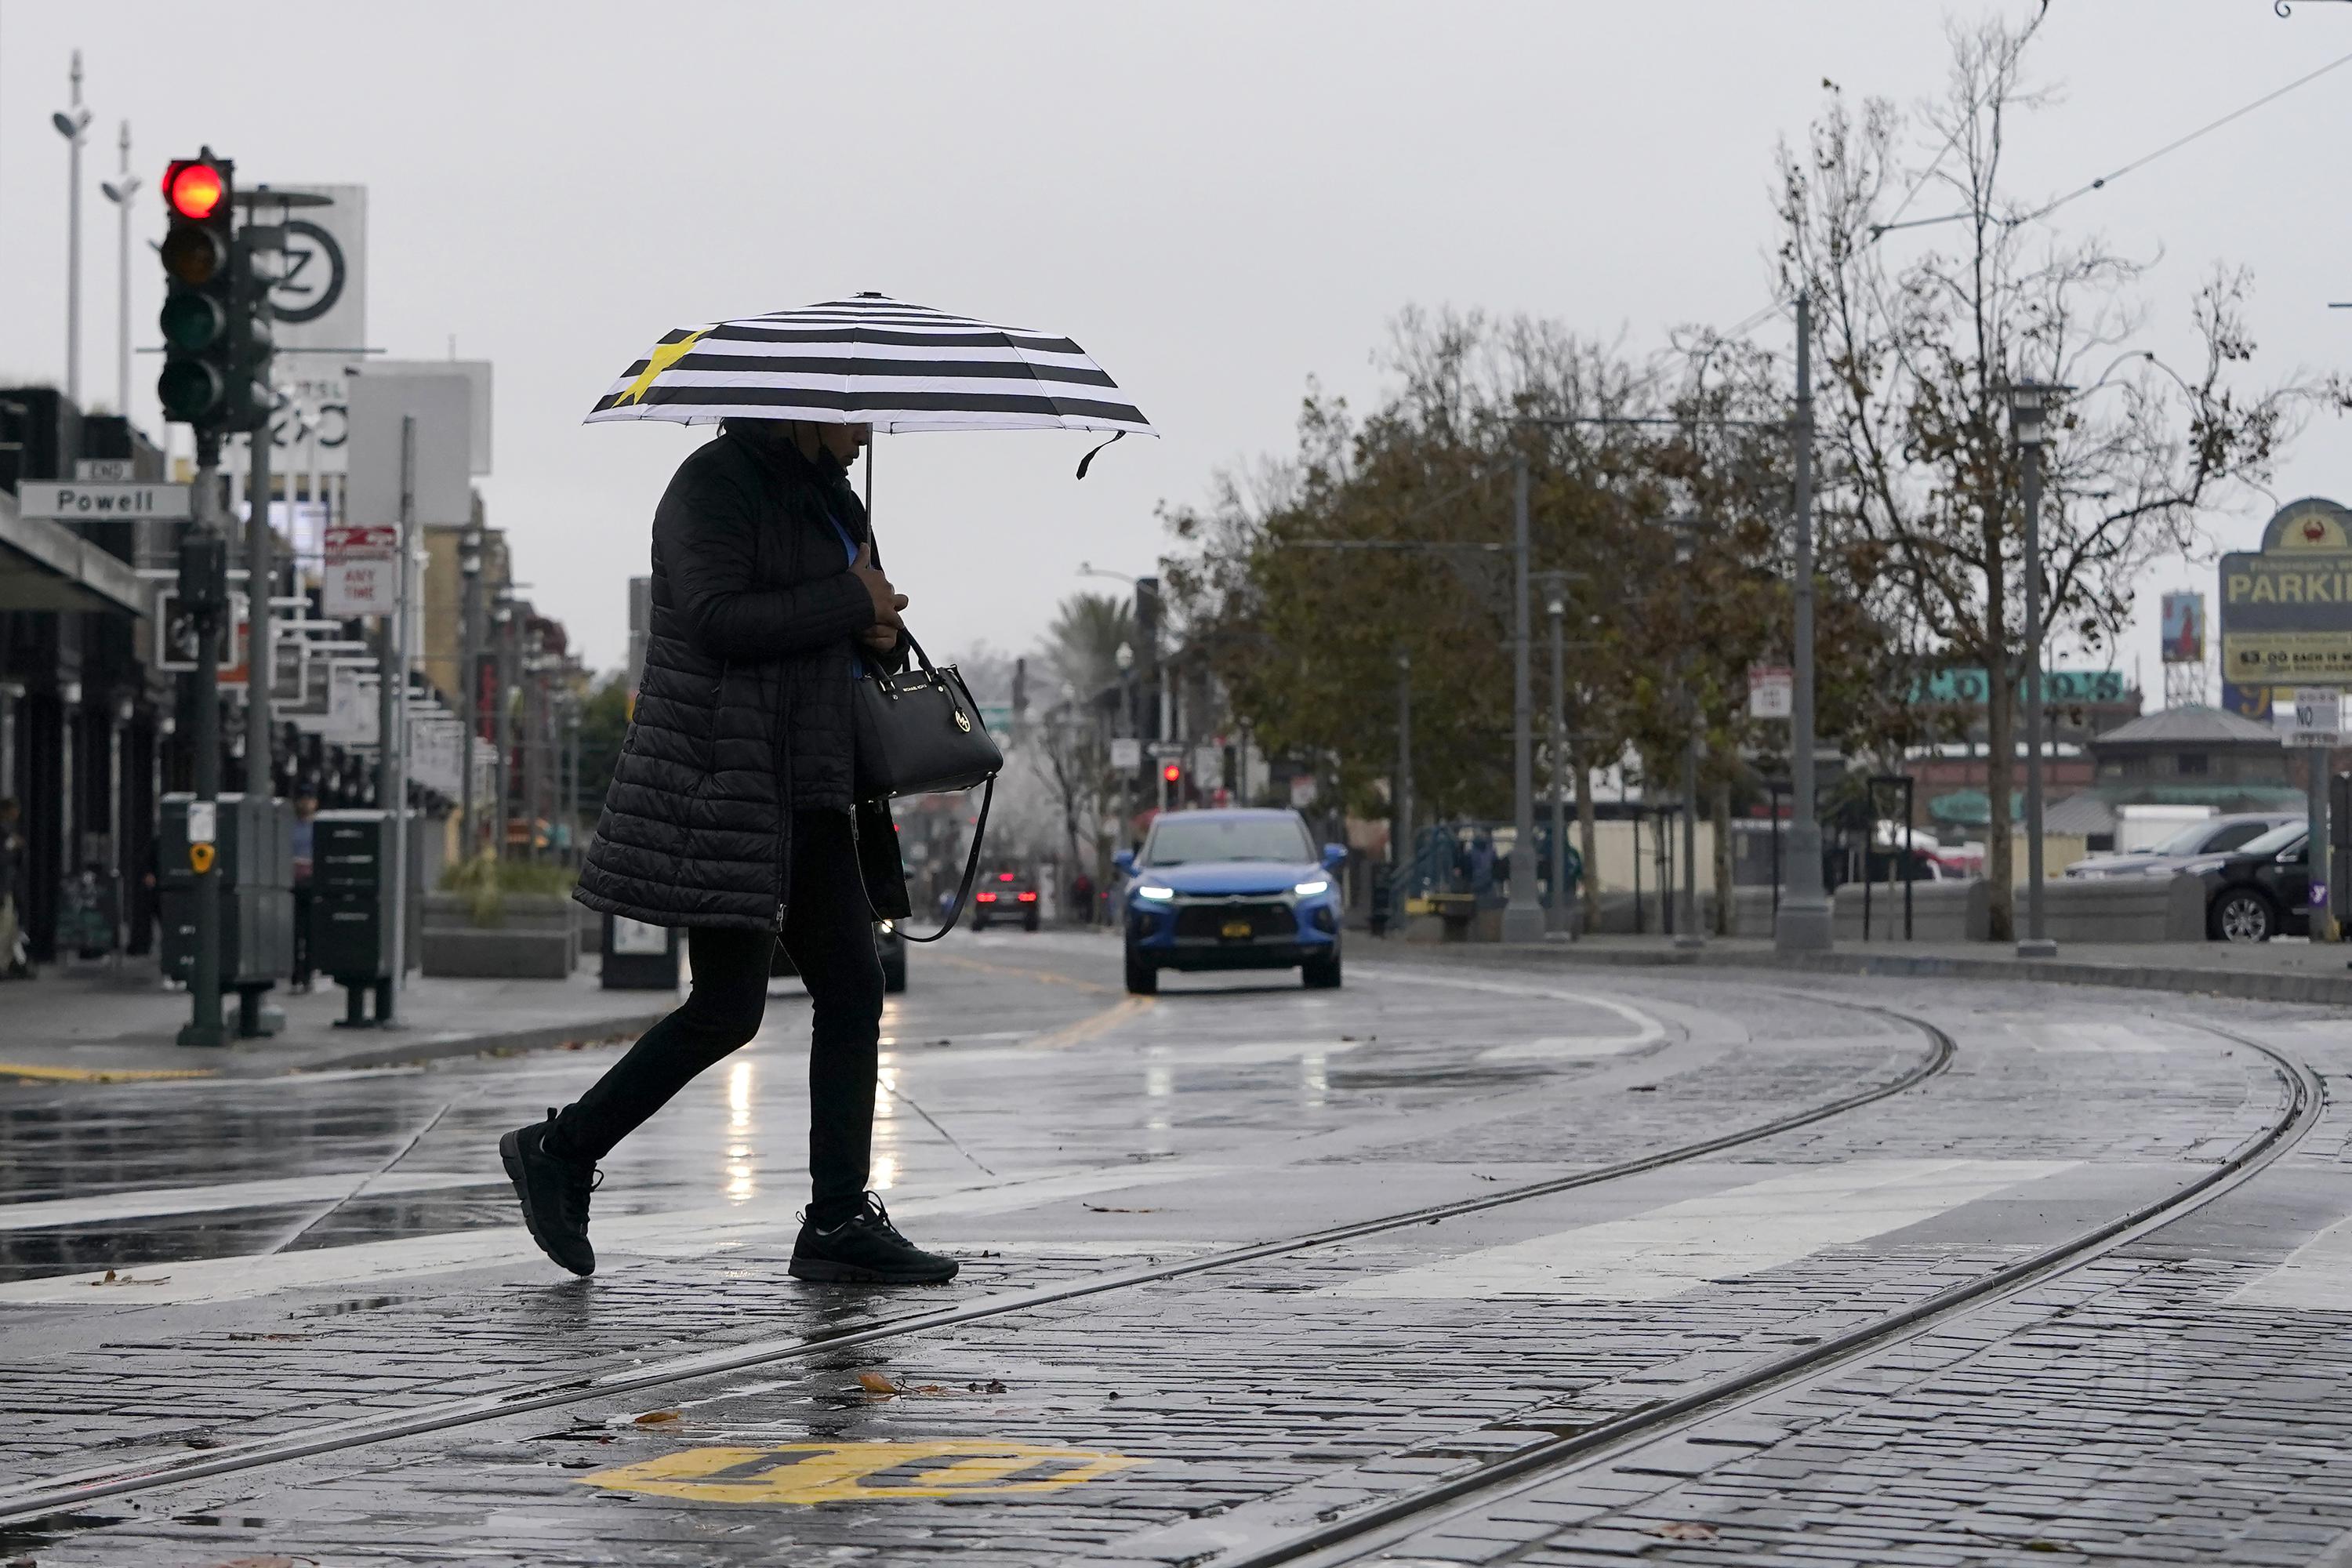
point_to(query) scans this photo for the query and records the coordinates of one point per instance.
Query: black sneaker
(554, 1193)
(866, 1249)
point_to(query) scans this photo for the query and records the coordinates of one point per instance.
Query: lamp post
(1801, 924)
(1556, 608)
(502, 659)
(1523, 915)
(1400, 845)
(120, 190)
(71, 121)
(2027, 401)
(1125, 660)
(469, 675)
(1687, 936)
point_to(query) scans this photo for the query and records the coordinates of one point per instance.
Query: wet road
(294, 1254)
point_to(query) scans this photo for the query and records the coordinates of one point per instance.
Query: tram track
(1358, 1535)
(70, 1492)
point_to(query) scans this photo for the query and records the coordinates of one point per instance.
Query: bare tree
(1917, 358)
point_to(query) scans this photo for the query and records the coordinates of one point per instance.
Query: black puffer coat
(742, 715)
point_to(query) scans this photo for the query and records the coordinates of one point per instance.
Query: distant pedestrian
(732, 813)
(1082, 898)
(306, 836)
(13, 964)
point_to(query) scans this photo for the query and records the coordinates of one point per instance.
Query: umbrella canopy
(872, 361)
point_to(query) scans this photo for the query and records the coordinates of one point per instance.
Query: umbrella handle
(1116, 437)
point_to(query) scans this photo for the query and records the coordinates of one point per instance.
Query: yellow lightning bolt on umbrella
(663, 356)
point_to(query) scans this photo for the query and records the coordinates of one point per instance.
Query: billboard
(2286, 608)
(2184, 628)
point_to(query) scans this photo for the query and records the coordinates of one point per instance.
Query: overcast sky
(1217, 201)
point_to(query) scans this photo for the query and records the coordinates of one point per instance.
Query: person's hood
(1213, 877)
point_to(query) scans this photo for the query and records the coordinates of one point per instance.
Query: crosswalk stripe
(1677, 1248)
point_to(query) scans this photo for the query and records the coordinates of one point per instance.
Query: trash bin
(640, 957)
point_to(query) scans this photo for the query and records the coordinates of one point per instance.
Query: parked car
(1002, 897)
(2260, 891)
(888, 946)
(1231, 890)
(2214, 836)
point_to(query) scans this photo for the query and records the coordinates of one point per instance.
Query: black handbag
(918, 732)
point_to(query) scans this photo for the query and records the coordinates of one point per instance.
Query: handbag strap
(971, 871)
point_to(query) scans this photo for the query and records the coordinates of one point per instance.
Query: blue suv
(1232, 889)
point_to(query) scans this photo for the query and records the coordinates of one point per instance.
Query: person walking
(732, 813)
(305, 840)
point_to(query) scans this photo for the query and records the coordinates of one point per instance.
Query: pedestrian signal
(199, 292)
(200, 858)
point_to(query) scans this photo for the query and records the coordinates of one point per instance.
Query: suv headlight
(1308, 890)
(1153, 891)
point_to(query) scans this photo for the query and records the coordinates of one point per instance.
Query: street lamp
(120, 190)
(469, 674)
(1523, 915)
(2029, 400)
(71, 123)
(1801, 924)
(1556, 608)
(1125, 660)
(1687, 936)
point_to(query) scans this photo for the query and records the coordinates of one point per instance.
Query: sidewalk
(2268, 972)
(89, 1024)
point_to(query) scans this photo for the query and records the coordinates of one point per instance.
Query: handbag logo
(963, 722)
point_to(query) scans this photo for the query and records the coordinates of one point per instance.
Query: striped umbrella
(873, 361)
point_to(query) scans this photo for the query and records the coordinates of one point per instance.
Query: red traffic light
(194, 190)
(1171, 773)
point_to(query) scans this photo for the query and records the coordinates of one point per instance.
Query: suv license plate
(1237, 928)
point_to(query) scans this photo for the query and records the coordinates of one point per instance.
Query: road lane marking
(100, 1075)
(1647, 1030)
(1044, 976)
(808, 1473)
(1682, 1245)
(1087, 1028)
(664, 1235)
(2317, 1276)
(109, 1207)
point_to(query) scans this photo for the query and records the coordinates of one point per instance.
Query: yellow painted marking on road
(1087, 1028)
(808, 1473)
(1046, 976)
(101, 1074)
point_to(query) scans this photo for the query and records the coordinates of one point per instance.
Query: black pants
(829, 933)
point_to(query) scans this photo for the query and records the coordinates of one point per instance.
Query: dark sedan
(2261, 891)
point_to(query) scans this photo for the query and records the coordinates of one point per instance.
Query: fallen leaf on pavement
(114, 1278)
(656, 1417)
(1684, 1530)
(878, 1383)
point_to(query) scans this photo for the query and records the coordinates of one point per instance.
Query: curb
(393, 1051)
(2323, 989)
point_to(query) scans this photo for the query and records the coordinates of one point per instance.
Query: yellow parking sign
(843, 1472)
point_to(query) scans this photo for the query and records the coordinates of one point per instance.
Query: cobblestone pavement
(2175, 1400)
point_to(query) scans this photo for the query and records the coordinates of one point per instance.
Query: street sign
(362, 570)
(106, 470)
(1163, 749)
(100, 501)
(2318, 717)
(1126, 752)
(1772, 692)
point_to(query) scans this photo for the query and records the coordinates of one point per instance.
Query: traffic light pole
(203, 558)
(261, 575)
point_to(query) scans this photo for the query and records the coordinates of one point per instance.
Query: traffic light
(1171, 773)
(200, 291)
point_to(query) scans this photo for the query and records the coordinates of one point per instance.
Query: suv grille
(1209, 921)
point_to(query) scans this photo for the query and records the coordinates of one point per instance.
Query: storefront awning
(46, 565)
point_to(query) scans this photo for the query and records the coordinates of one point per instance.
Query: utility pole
(391, 731)
(2026, 400)
(1523, 916)
(469, 667)
(1561, 906)
(1687, 936)
(1802, 925)
(70, 125)
(501, 667)
(203, 590)
(1400, 845)
(254, 276)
